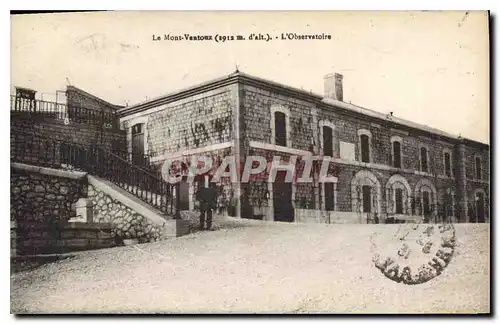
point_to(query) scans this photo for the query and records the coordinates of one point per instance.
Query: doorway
(329, 196)
(480, 207)
(426, 203)
(282, 199)
(367, 199)
(138, 144)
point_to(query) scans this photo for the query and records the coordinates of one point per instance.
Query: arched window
(426, 197)
(366, 193)
(398, 195)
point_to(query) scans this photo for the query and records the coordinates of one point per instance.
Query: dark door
(282, 199)
(138, 144)
(184, 194)
(399, 201)
(480, 207)
(367, 199)
(426, 203)
(329, 198)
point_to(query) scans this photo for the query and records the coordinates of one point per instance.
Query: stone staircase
(137, 190)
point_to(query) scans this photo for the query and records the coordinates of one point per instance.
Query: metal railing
(148, 187)
(60, 111)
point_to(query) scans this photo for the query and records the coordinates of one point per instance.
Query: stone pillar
(191, 197)
(13, 238)
(316, 188)
(237, 137)
(84, 211)
(270, 204)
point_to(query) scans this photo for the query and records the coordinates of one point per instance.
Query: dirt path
(258, 267)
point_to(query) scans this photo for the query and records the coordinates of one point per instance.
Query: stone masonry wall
(41, 198)
(126, 223)
(110, 137)
(190, 123)
(257, 116)
(256, 126)
(38, 204)
(25, 129)
(470, 166)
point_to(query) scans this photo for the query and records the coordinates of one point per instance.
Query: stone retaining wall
(62, 237)
(127, 224)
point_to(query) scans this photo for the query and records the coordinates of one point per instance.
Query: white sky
(431, 68)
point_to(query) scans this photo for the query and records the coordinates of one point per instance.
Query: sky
(428, 67)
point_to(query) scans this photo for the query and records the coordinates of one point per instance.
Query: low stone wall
(43, 195)
(327, 217)
(127, 224)
(41, 198)
(62, 237)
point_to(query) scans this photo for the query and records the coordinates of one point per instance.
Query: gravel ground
(255, 267)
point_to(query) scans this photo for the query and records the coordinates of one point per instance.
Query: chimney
(333, 86)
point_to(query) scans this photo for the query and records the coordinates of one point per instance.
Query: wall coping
(65, 225)
(48, 171)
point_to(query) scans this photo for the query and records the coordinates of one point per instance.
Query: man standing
(207, 196)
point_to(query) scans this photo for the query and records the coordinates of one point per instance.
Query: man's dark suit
(208, 202)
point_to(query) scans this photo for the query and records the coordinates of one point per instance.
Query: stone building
(383, 167)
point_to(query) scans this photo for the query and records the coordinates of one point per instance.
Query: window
(327, 141)
(137, 129)
(423, 160)
(447, 164)
(365, 148)
(280, 128)
(399, 201)
(396, 148)
(478, 168)
(365, 145)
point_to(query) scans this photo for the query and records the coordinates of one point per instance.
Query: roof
(240, 77)
(91, 96)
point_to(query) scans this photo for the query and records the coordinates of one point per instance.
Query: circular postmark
(416, 253)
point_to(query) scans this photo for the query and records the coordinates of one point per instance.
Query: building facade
(382, 167)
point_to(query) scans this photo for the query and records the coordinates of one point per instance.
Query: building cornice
(339, 107)
(234, 78)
